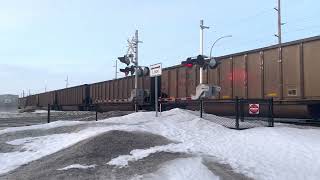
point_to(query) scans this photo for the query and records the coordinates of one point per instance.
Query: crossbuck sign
(156, 70)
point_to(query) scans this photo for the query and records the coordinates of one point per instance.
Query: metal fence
(253, 113)
(93, 115)
(236, 113)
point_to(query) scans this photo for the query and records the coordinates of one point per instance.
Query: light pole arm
(217, 41)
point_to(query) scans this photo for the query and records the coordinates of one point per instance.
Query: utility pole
(45, 86)
(279, 35)
(22, 93)
(116, 70)
(136, 44)
(202, 27)
(67, 82)
(136, 40)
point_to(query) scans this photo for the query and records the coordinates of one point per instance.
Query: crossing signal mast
(204, 62)
(139, 71)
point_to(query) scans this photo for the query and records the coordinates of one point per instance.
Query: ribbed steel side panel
(182, 85)
(213, 77)
(226, 79)
(311, 60)
(130, 86)
(121, 88)
(71, 96)
(46, 98)
(254, 78)
(271, 73)
(115, 89)
(291, 72)
(191, 78)
(111, 90)
(165, 82)
(108, 91)
(239, 76)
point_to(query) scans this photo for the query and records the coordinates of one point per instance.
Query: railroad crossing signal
(202, 61)
(140, 71)
(143, 72)
(125, 59)
(127, 70)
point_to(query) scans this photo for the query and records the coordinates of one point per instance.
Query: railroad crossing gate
(254, 109)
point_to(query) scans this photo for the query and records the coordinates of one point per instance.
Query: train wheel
(314, 111)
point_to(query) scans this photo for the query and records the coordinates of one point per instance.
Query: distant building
(9, 100)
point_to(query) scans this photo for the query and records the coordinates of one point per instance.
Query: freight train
(288, 73)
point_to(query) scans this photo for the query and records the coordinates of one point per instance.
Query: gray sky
(43, 41)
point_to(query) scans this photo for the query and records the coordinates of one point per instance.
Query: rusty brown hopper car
(287, 73)
(113, 90)
(31, 100)
(116, 91)
(73, 98)
(46, 98)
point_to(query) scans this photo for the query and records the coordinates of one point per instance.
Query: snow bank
(181, 169)
(77, 166)
(260, 153)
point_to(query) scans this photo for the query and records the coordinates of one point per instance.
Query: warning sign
(254, 109)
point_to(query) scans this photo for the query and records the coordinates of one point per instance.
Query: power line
(247, 19)
(302, 29)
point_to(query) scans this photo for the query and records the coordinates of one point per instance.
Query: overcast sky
(44, 41)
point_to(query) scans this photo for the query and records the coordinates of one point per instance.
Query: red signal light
(189, 65)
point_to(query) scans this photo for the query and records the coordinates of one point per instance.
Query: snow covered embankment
(260, 153)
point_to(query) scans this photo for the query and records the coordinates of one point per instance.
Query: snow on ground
(40, 111)
(51, 125)
(138, 154)
(77, 166)
(34, 148)
(181, 169)
(260, 153)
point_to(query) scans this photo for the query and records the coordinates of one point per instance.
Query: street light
(216, 43)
